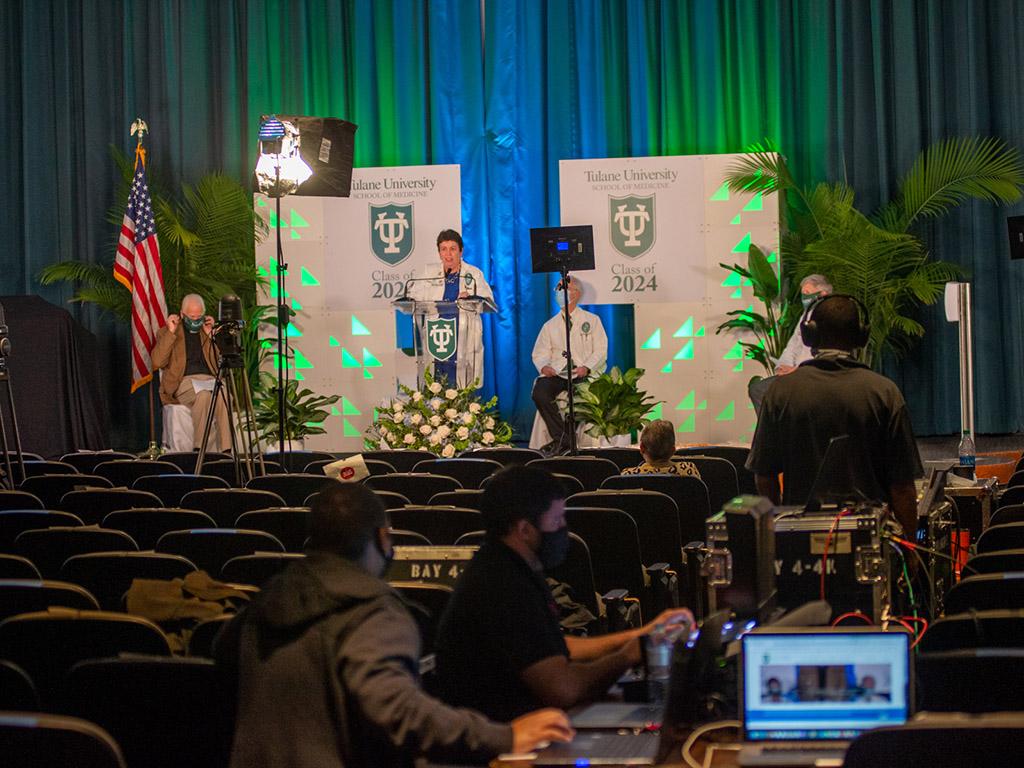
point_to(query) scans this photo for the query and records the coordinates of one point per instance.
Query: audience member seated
(657, 446)
(500, 648)
(327, 658)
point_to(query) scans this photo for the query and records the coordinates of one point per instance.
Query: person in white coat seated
(449, 280)
(589, 355)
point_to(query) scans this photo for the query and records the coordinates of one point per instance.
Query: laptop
(806, 693)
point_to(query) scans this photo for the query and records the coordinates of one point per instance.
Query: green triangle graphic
(273, 220)
(685, 330)
(728, 413)
(736, 353)
(299, 376)
(348, 360)
(667, 368)
(358, 329)
(369, 360)
(333, 341)
(703, 405)
(261, 203)
(301, 361)
(736, 219)
(263, 271)
(756, 202)
(700, 333)
(686, 353)
(293, 332)
(743, 246)
(655, 412)
(297, 220)
(773, 257)
(308, 279)
(733, 279)
(351, 431)
(686, 404)
(738, 367)
(348, 409)
(689, 425)
(295, 235)
(737, 294)
(654, 342)
(722, 194)
(367, 374)
(335, 411)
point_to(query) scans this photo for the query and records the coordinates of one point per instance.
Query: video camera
(227, 331)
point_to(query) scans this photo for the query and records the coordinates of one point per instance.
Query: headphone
(811, 334)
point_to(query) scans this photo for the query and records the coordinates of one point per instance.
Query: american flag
(137, 267)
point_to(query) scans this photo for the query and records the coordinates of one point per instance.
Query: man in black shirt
(500, 648)
(831, 395)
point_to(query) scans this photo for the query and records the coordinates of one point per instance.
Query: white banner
(382, 234)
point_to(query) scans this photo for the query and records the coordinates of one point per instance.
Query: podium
(436, 338)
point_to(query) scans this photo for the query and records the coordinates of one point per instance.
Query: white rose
(435, 420)
(415, 418)
(409, 438)
(489, 423)
(451, 394)
(474, 407)
(448, 451)
(425, 429)
(488, 438)
(451, 414)
(385, 433)
(444, 430)
(462, 433)
(417, 396)
(397, 406)
(467, 418)
(435, 387)
(435, 404)
(434, 439)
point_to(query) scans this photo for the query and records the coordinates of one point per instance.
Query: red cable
(828, 542)
(853, 615)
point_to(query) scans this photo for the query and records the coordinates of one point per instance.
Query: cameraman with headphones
(834, 394)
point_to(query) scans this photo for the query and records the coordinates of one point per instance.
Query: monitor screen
(824, 685)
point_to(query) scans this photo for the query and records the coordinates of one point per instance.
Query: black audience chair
(146, 526)
(50, 547)
(87, 461)
(293, 488)
(224, 506)
(401, 460)
(109, 575)
(735, 455)
(288, 524)
(20, 500)
(26, 455)
(1014, 495)
(1013, 513)
(990, 591)
(461, 497)
(577, 572)
(402, 538)
(210, 548)
(442, 525)
(36, 468)
(200, 642)
(971, 680)
(591, 471)
(17, 691)
(689, 494)
(426, 603)
(372, 466)
(469, 472)
(996, 538)
(14, 521)
(505, 456)
(656, 516)
(257, 568)
(55, 740)
(186, 460)
(172, 488)
(989, 562)
(28, 596)
(50, 489)
(47, 644)
(391, 499)
(569, 483)
(1017, 478)
(296, 461)
(975, 629)
(18, 567)
(622, 457)
(190, 722)
(940, 743)
(124, 472)
(225, 470)
(720, 478)
(416, 487)
(93, 504)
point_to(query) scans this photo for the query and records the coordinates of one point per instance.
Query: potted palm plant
(613, 406)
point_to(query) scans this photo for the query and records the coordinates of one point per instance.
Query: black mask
(388, 556)
(554, 547)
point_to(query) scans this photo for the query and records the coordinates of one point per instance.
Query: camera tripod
(232, 384)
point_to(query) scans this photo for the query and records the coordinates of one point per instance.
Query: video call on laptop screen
(823, 685)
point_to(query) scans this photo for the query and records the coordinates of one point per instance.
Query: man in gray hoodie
(327, 661)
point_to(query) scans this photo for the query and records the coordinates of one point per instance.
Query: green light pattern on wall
(370, 361)
(721, 194)
(295, 305)
(667, 368)
(728, 413)
(335, 411)
(301, 361)
(299, 376)
(348, 360)
(293, 331)
(689, 402)
(686, 353)
(348, 409)
(689, 424)
(358, 329)
(735, 353)
(333, 342)
(737, 220)
(743, 246)
(308, 279)
(654, 341)
(656, 412)
(367, 374)
(685, 330)
(756, 203)
(351, 431)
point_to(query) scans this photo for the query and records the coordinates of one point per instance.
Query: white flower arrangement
(420, 419)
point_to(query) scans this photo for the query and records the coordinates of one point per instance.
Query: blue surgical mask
(560, 299)
(193, 326)
(810, 298)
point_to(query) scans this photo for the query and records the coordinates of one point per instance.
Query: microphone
(470, 279)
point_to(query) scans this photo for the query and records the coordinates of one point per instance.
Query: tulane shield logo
(631, 223)
(391, 232)
(441, 338)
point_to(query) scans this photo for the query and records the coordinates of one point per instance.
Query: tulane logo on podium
(441, 337)
(391, 232)
(631, 223)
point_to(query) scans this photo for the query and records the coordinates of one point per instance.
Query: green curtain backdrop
(848, 88)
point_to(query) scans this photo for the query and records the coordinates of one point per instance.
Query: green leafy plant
(879, 259)
(305, 411)
(782, 307)
(612, 403)
(207, 235)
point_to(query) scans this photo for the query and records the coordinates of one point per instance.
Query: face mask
(387, 556)
(809, 298)
(560, 299)
(192, 326)
(554, 547)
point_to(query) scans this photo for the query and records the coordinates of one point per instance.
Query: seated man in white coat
(589, 355)
(449, 280)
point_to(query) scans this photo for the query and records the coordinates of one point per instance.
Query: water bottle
(967, 453)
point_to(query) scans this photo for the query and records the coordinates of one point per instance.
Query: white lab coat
(589, 342)
(470, 351)
(796, 351)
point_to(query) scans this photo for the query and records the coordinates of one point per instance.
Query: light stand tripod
(570, 369)
(5, 380)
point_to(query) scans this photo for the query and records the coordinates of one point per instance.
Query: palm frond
(761, 169)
